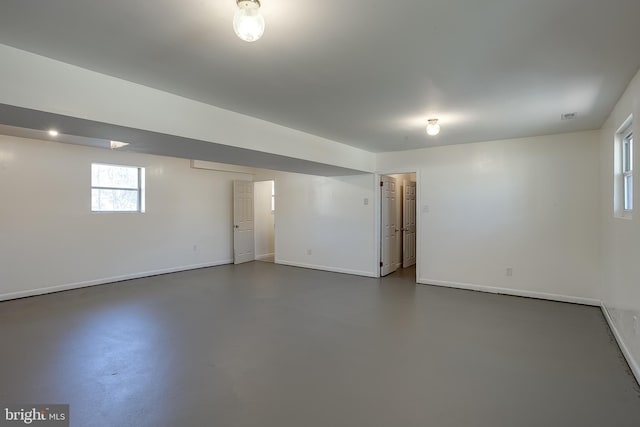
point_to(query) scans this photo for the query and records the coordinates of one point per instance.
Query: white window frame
(621, 186)
(140, 189)
(273, 196)
(627, 171)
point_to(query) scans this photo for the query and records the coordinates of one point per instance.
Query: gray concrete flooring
(267, 345)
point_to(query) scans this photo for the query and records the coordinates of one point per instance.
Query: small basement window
(117, 188)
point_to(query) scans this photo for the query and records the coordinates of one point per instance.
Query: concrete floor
(273, 346)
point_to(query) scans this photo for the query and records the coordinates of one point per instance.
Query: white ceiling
(364, 73)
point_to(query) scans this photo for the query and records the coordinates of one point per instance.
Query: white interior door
(389, 232)
(409, 224)
(243, 238)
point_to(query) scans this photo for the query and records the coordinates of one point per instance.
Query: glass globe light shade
(248, 23)
(433, 128)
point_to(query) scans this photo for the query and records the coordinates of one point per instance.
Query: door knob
(237, 226)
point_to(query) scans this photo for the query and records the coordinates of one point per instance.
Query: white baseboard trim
(513, 292)
(635, 368)
(265, 257)
(88, 283)
(325, 268)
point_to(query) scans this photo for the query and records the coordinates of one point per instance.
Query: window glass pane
(630, 152)
(626, 155)
(628, 192)
(114, 176)
(114, 200)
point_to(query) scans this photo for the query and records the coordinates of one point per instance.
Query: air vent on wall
(568, 116)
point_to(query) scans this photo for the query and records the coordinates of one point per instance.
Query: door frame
(377, 232)
(275, 222)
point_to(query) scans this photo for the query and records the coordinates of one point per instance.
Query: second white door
(409, 224)
(389, 222)
(243, 238)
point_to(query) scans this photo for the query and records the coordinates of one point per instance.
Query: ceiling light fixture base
(248, 4)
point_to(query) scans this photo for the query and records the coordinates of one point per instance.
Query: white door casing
(243, 238)
(409, 224)
(389, 232)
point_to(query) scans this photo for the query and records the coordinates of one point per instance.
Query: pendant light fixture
(248, 23)
(433, 128)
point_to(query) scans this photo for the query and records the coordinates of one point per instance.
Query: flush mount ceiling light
(248, 23)
(117, 144)
(433, 128)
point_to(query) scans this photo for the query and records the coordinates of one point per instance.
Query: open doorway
(264, 214)
(398, 193)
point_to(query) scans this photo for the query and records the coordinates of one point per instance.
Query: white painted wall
(49, 239)
(263, 220)
(621, 237)
(529, 204)
(328, 217)
(33, 81)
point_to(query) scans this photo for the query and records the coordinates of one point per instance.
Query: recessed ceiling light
(53, 132)
(117, 144)
(433, 128)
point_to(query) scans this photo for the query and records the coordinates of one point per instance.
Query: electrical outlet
(509, 271)
(366, 201)
(309, 251)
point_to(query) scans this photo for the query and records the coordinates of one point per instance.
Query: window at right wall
(627, 172)
(624, 171)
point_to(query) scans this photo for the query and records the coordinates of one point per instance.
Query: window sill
(626, 216)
